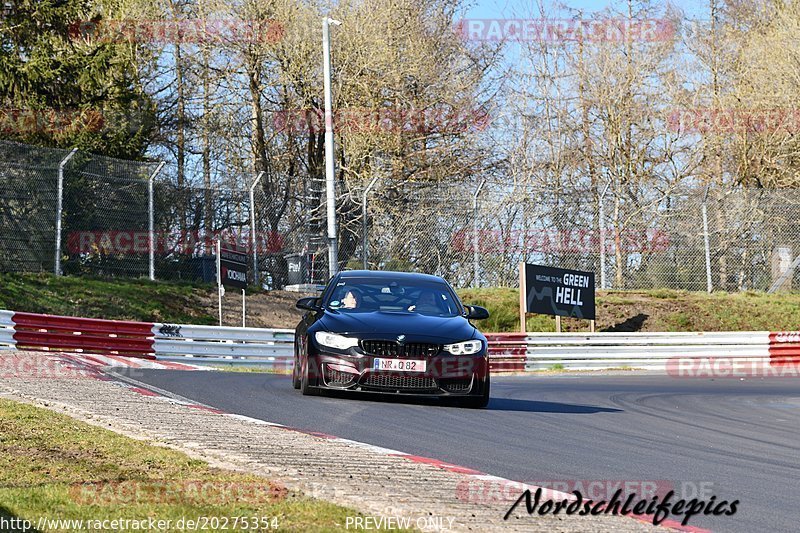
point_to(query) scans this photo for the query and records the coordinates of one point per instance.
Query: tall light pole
(330, 182)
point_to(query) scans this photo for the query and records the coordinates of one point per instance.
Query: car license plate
(401, 365)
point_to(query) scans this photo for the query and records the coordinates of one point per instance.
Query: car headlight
(332, 340)
(464, 348)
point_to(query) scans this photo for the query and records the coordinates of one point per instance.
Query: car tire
(296, 369)
(478, 402)
(305, 386)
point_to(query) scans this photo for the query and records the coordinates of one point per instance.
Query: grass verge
(119, 299)
(56, 467)
(186, 303)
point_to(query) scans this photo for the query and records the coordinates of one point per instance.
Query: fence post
(220, 289)
(253, 226)
(151, 216)
(60, 209)
(706, 241)
(602, 223)
(364, 226)
(475, 244)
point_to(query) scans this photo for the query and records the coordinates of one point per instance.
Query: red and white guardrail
(146, 339)
(650, 350)
(508, 352)
(63, 333)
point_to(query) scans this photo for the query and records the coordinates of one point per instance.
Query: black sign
(559, 292)
(233, 268)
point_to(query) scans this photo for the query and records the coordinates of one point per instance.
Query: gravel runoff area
(355, 475)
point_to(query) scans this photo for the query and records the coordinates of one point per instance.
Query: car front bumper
(445, 375)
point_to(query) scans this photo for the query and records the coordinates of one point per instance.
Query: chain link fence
(476, 235)
(105, 217)
(473, 234)
(28, 198)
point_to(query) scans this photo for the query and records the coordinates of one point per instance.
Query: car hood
(384, 324)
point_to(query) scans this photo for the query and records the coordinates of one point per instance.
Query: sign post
(523, 291)
(556, 292)
(231, 272)
(220, 290)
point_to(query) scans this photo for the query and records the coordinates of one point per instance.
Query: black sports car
(391, 332)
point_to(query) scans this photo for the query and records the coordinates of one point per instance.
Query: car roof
(388, 274)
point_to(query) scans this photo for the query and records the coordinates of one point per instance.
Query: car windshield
(364, 295)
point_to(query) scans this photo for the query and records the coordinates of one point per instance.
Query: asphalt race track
(736, 439)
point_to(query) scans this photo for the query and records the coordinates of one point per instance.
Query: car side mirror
(476, 312)
(310, 303)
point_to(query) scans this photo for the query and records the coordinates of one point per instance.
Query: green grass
(503, 306)
(665, 294)
(121, 299)
(54, 466)
(679, 321)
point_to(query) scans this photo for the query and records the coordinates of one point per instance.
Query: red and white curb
(119, 361)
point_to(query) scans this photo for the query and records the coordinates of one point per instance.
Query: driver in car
(426, 304)
(351, 300)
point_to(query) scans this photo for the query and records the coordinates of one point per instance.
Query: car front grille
(399, 382)
(457, 385)
(395, 349)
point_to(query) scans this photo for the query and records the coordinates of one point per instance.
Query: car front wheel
(305, 386)
(480, 401)
(296, 368)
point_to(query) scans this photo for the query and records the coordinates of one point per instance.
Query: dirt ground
(632, 312)
(276, 309)
(639, 312)
(628, 313)
(270, 309)
(616, 311)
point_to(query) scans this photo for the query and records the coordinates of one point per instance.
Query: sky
(510, 8)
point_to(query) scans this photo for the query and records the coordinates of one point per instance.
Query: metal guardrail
(508, 352)
(65, 333)
(62, 333)
(7, 319)
(7, 341)
(648, 338)
(7, 330)
(649, 351)
(229, 345)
